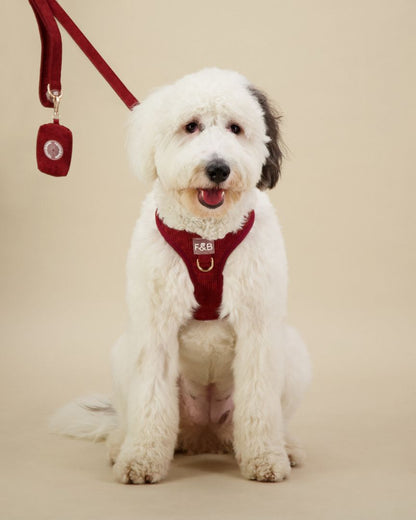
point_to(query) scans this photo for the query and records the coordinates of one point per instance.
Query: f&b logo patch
(203, 247)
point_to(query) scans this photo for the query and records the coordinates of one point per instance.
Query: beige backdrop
(343, 75)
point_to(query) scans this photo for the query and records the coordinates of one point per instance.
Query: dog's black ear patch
(271, 169)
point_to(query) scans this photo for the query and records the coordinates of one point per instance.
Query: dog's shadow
(189, 466)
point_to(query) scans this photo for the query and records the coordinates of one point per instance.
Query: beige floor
(357, 423)
(343, 75)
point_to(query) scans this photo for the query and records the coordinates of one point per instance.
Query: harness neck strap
(205, 261)
(51, 60)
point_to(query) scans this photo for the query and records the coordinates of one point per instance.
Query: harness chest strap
(205, 261)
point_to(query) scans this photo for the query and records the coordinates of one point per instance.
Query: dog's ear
(271, 168)
(142, 135)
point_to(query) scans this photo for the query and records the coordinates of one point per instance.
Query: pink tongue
(212, 197)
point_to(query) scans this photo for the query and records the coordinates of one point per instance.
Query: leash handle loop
(51, 59)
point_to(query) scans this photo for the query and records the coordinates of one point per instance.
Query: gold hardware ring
(210, 268)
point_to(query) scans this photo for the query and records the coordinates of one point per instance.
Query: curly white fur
(249, 356)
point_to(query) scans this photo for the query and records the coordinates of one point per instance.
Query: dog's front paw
(266, 467)
(140, 466)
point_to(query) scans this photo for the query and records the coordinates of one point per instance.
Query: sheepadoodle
(208, 363)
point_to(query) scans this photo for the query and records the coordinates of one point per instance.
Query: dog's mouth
(211, 198)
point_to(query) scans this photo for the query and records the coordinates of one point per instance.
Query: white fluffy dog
(208, 363)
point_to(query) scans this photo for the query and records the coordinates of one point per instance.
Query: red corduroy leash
(54, 143)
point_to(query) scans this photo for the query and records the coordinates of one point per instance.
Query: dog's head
(209, 138)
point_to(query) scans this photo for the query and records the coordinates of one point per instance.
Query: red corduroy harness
(205, 261)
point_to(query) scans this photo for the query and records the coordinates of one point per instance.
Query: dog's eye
(191, 127)
(235, 129)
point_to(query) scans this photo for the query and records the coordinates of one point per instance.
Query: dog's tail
(91, 418)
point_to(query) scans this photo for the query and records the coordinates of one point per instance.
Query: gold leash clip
(56, 99)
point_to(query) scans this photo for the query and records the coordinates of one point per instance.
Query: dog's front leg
(152, 412)
(258, 421)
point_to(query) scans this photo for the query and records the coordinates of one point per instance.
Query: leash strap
(51, 61)
(54, 141)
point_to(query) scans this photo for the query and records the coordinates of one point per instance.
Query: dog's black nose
(217, 170)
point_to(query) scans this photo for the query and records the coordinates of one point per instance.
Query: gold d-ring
(210, 268)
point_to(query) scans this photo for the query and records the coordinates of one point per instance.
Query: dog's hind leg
(297, 378)
(114, 442)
